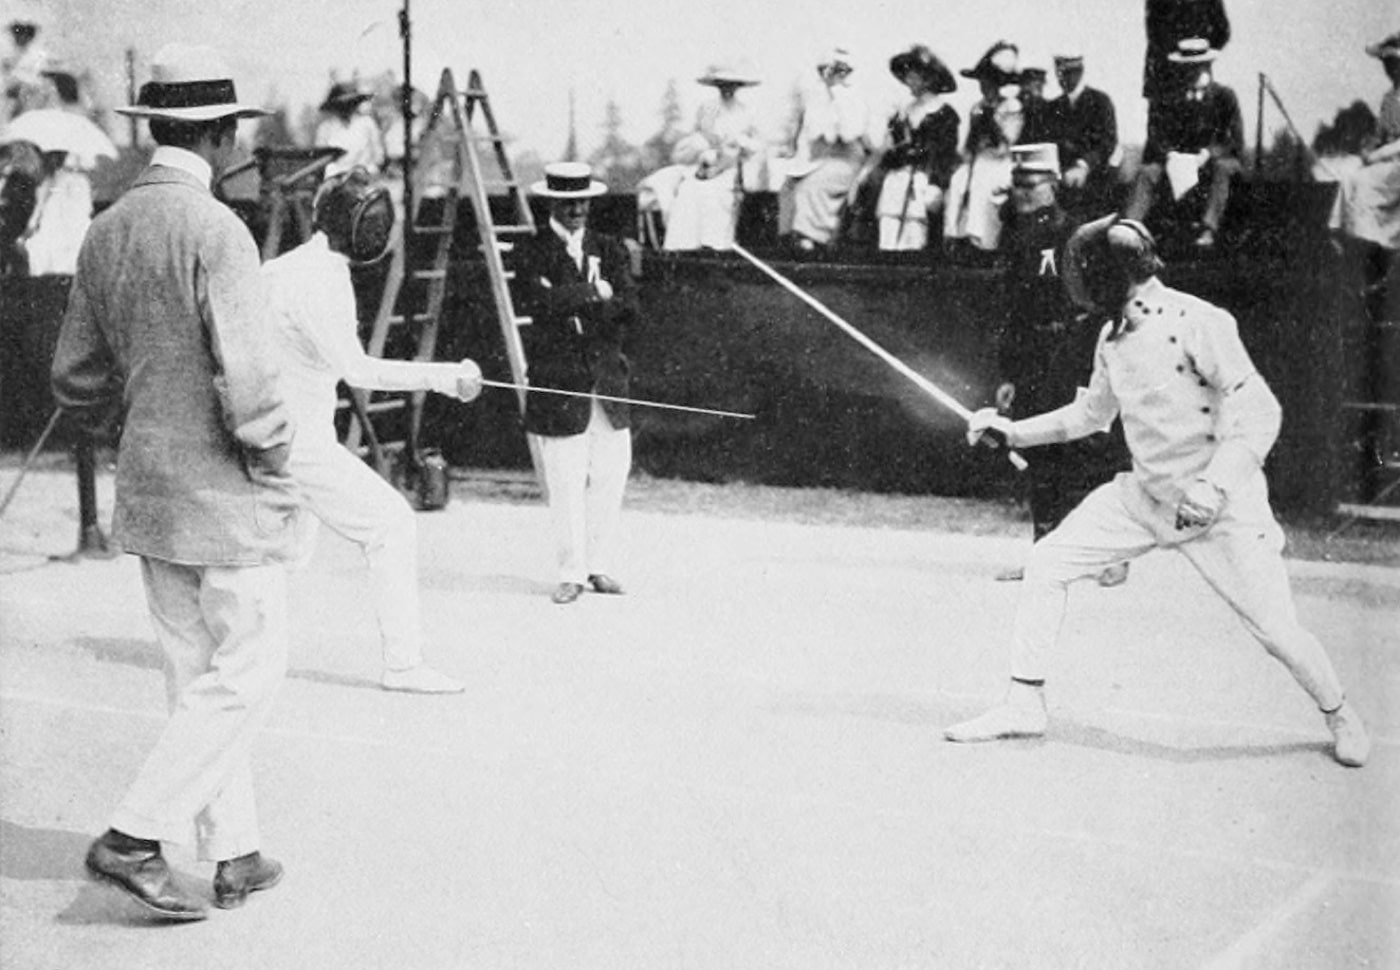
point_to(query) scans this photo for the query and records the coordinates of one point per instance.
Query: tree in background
(617, 161)
(656, 151)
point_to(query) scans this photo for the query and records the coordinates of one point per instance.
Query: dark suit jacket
(577, 342)
(1181, 124)
(1085, 129)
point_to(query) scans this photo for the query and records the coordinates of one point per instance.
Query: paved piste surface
(738, 764)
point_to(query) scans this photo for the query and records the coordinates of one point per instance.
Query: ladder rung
(379, 407)
(431, 230)
(514, 229)
(524, 321)
(474, 93)
(429, 274)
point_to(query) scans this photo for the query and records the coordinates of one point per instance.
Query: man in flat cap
(166, 320)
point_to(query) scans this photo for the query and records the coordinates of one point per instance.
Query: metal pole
(406, 109)
(131, 90)
(1259, 127)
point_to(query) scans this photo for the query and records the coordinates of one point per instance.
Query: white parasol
(53, 130)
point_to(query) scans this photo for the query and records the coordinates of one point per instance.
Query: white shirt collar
(570, 238)
(185, 161)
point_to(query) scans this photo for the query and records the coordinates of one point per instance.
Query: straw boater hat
(568, 180)
(189, 83)
(919, 58)
(1387, 49)
(1041, 157)
(1193, 50)
(727, 75)
(343, 96)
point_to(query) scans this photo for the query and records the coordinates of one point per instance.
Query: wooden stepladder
(451, 164)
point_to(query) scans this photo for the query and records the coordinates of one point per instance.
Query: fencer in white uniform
(1199, 421)
(313, 301)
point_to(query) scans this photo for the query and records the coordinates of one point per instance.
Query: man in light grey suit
(166, 318)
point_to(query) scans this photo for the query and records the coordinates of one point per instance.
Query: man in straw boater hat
(577, 287)
(166, 319)
(1193, 133)
(1199, 421)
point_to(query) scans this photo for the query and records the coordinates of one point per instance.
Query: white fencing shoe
(1351, 746)
(1021, 715)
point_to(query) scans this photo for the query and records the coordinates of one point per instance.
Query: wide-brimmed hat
(1038, 157)
(189, 82)
(1193, 50)
(568, 180)
(1386, 49)
(344, 95)
(998, 64)
(726, 74)
(836, 55)
(919, 58)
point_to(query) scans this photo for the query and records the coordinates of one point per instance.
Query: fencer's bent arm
(1250, 418)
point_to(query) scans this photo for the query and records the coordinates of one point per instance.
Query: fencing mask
(355, 212)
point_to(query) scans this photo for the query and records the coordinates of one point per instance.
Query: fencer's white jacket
(313, 300)
(1192, 404)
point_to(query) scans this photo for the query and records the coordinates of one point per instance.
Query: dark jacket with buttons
(576, 341)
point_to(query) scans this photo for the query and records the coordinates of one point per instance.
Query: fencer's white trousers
(224, 634)
(346, 495)
(1240, 557)
(586, 476)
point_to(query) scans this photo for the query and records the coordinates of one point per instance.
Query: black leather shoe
(567, 593)
(605, 584)
(234, 879)
(141, 872)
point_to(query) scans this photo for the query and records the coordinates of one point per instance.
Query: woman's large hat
(998, 64)
(189, 82)
(1386, 49)
(568, 180)
(1193, 50)
(724, 74)
(919, 58)
(343, 96)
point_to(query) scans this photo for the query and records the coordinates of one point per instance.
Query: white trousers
(346, 495)
(586, 475)
(224, 633)
(1240, 557)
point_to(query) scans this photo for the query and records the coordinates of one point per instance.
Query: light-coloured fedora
(568, 180)
(189, 82)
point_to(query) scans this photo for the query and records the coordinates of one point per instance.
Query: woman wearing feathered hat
(706, 204)
(922, 151)
(1367, 206)
(351, 129)
(981, 185)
